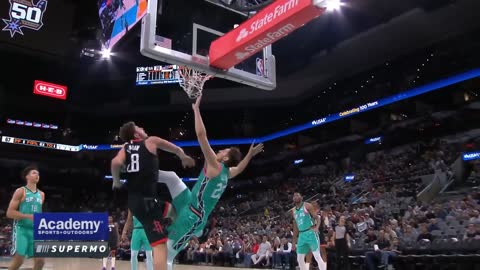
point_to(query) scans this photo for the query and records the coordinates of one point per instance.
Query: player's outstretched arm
(167, 146)
(116, 166)
(127, 226)
(295, 230)
(208, 153)
(118, 234)
(314, 215)
(12, 211)
(253, 151)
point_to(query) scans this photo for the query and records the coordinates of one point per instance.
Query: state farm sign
(50, 90)
(272, 23)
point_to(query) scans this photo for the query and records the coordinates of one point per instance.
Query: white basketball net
(192, 81)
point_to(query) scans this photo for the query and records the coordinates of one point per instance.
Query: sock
(149, 260)
(113, 262)
(104, 260)
(322, 265)
(174, 183)
(307, 266)
(301, 261)
(134, 260)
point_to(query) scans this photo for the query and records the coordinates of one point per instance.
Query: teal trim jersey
(31, 203)
(197, 206)
(207, 192)
(303, 218)
(136, 223)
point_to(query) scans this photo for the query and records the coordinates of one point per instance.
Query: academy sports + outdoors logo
(71, 226)
(68, 227)
(25, 14)
(54, 233)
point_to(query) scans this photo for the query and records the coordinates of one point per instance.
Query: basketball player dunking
(113, 241)
(26, 201)
(193, 207)
(140, 157)
(305, 232)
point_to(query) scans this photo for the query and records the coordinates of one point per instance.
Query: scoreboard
(158, 75)
(41, 144)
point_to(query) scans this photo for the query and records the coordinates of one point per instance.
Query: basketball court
(92, 264)
(208, 41)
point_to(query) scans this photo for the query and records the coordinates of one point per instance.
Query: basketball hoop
(192, 81)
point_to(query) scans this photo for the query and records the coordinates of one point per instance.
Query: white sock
(104, 261)
(322, 265)
(134, 260)
(113, 262)
(149, 260)
(301, 261)
(307, 265)
(174, 184)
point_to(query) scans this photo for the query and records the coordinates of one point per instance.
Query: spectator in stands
(212, 250)
(200, 254)
(424, 233)
(388, 229)
(369, 220)
(285, 253)
(251, 248)
(395, 228)
(433, 226)
(193, 246)
(371, 257)
(225, 254)
(390, 252)
(474, 217)
(237, 246)
(472, 232)
(275, 252)
(371, 237)
(262, 253)
(409, 235)
(124, 249)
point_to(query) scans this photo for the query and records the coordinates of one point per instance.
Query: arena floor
(93, 264)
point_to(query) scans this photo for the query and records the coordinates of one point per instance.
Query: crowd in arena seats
(382, 217)
(387, 216)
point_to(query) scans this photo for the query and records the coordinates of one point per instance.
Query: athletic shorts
(139, 240)
(152, 214)
(22, 241)
(113, 245)
(308, 241)
(186, 225)
(182, 201)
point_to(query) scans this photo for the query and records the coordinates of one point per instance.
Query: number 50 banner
(24, 14)
(36, 24)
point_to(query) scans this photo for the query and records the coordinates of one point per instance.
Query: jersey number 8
(134, 165)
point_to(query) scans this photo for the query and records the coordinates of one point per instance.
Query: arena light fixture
(106, 53)
(333, 5)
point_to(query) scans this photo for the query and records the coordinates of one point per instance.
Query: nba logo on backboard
(260, 67)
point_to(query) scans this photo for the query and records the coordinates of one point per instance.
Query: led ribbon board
(475, 73)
